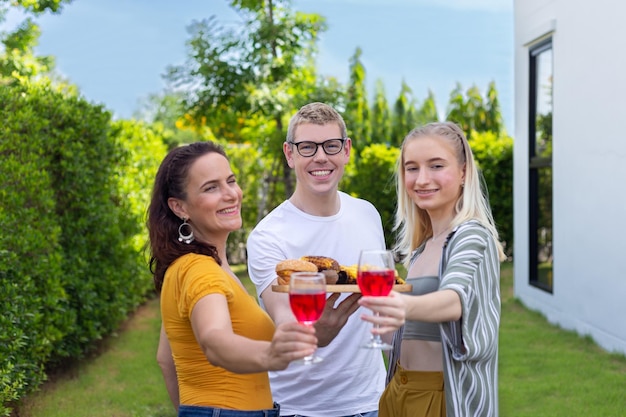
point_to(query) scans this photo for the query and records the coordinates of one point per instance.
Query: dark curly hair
(171, 180)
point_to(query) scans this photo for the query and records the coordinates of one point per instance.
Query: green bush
(371, 177)
(73, 195)
(34, 305)
(98, 263)
(248, 167)
(144, 149)
(494, 155)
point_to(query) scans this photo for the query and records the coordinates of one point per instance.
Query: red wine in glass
(376, 276)
(307, 298)
(307, 306)
(376, 283)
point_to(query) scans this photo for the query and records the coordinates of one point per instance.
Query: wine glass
(307, 298)
(376, 275)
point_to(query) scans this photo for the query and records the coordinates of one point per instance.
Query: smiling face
(433, 175)
(213, 199)
(317, 175)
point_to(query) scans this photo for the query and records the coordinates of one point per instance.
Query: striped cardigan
(470, 266)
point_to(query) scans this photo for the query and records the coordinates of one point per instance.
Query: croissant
(322, 262)
(328, 266)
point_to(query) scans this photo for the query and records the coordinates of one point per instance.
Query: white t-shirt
(350, 379)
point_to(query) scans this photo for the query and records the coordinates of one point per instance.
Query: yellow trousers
(413, 394)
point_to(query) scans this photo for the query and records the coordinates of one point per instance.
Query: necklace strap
(438, 235)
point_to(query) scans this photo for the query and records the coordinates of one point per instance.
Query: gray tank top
(419, 330)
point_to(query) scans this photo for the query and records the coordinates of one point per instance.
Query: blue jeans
(197, 411)
(369, 414)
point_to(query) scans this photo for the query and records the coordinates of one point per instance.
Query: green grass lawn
(544, 371)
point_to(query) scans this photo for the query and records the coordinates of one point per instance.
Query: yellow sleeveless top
(187, 280)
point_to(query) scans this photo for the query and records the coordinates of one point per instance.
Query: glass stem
(308, 358)
(376, 337)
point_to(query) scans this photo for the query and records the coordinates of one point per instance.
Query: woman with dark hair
(216, 343)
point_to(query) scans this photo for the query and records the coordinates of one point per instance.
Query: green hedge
(494, 155)
(34, 305)
(371, 176)
(73, 193)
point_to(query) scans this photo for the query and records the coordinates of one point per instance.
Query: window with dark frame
(540, 166)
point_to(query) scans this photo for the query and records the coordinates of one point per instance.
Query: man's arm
(263, 255)
(277, 305)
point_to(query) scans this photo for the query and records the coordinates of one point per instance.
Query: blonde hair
(315, 113)
(412, 223)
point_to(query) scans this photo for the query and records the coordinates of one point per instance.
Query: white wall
(589, 164)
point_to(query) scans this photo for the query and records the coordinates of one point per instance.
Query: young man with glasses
(320, 220)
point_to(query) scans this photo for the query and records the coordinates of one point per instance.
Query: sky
(116, 51)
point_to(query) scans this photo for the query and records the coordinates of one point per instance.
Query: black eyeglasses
(307, 148)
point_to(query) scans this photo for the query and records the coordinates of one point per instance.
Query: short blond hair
(315, 113)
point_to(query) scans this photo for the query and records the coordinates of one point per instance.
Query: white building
(570, 164)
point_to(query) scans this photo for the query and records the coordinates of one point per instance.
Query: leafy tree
(473, 112)
(404, 116)
(357, 114)
(381, 119)
(494, 122)
(37, 6)
(17, 57)
(457, 108)
(427, 112)
(262, 69)
(166, 114)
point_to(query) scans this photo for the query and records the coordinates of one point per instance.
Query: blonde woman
(445, 359)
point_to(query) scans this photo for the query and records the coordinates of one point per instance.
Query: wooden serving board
(345, 288)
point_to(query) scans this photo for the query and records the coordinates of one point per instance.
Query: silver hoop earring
(188, 238)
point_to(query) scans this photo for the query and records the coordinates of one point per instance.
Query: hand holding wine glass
(375, 276)
(307, 298)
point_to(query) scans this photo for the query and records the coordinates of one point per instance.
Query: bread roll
(285, 268)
